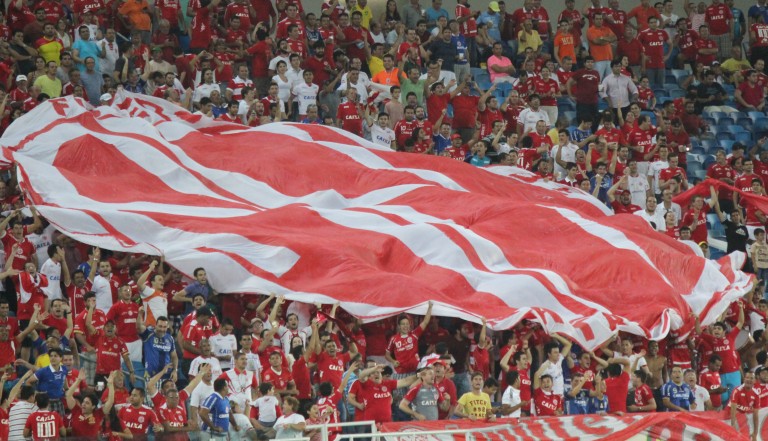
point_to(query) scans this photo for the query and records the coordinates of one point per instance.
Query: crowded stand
(633, 108)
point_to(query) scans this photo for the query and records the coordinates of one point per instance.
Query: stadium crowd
(99, 343)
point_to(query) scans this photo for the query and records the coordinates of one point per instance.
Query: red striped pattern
(320, 215)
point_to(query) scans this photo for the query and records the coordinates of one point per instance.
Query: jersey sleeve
(411, 394)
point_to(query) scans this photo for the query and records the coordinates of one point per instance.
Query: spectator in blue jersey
(676, 395)
(215, 412)
(599, 180)
(582, 135)
(199, 286)
(598, 402)
(51, 380)
(159, 347)
(577, 399)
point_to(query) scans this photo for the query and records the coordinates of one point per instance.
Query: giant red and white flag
(320, 215)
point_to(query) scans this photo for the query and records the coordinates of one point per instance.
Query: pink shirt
(498, 61)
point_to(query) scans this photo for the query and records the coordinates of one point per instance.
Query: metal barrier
(324, 428)
(468, 434)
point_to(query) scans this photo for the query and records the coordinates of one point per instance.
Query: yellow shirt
(43, 361)
(52, 88)
(375, 65)
(532, 41)
(476, 404)
(367, 14)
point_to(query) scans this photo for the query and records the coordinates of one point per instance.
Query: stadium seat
(709, 120)
(477, 71)
(716, 229)
(745, 122)
(754, 115)
(676, 93)
(691, 157)
(565, 105)
(727, 144)
(744, 138)
(698, 151)
(679, 74)
(726, 121)
(660, 93)
(570, 115)
(761, 125)
(699, 175)
(709, 145)
(738, 115)
(694, 166)
(735, 128)
(716, 115)
(724, 136)
(669, 78)
(671, 86)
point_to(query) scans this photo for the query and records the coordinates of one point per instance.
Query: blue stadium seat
(738, 115)
(565, 105)
(676, 93)
(735, 128)
(716, 115)
(693, 166)
(692, 157)
(571, 116)
(727, 144)
(477, 71)
(709, 145)
(698, 151)
(679, 74)
(745, 122)
(715, 227)
(699, 175)
(755, 115)
(669, 78)
(724, 136)
(761, 125)
(671, 86)
(744, 138)
(725, 121)
(660, 93)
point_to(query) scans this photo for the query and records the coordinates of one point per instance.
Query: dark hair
(52, 250)
(219, 384)
(642, 375)
(325, 389)
(42, 400)
(512, 376)
(264, 388)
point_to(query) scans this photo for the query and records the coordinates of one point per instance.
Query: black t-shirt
(460, 352)
(736, 236)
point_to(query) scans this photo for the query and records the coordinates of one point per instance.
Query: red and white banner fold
(321, 215)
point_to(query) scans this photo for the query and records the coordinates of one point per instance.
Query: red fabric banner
(669, 426)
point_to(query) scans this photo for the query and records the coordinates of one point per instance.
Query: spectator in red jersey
(643, 396)
(711, 381)
(706, 48)
(750, 96)
(724, 345)
(44, 424)
(654, 58)
(371, 394)
(86, 417)
(624, 205)
(402, 350)
(545, 401)
(746, 401)
(723, 172)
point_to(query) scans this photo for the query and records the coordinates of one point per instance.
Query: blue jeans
(603, 68)
(730, 381)
(462, 383)
(655, 76)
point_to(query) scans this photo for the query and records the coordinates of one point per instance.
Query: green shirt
(409, 86)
